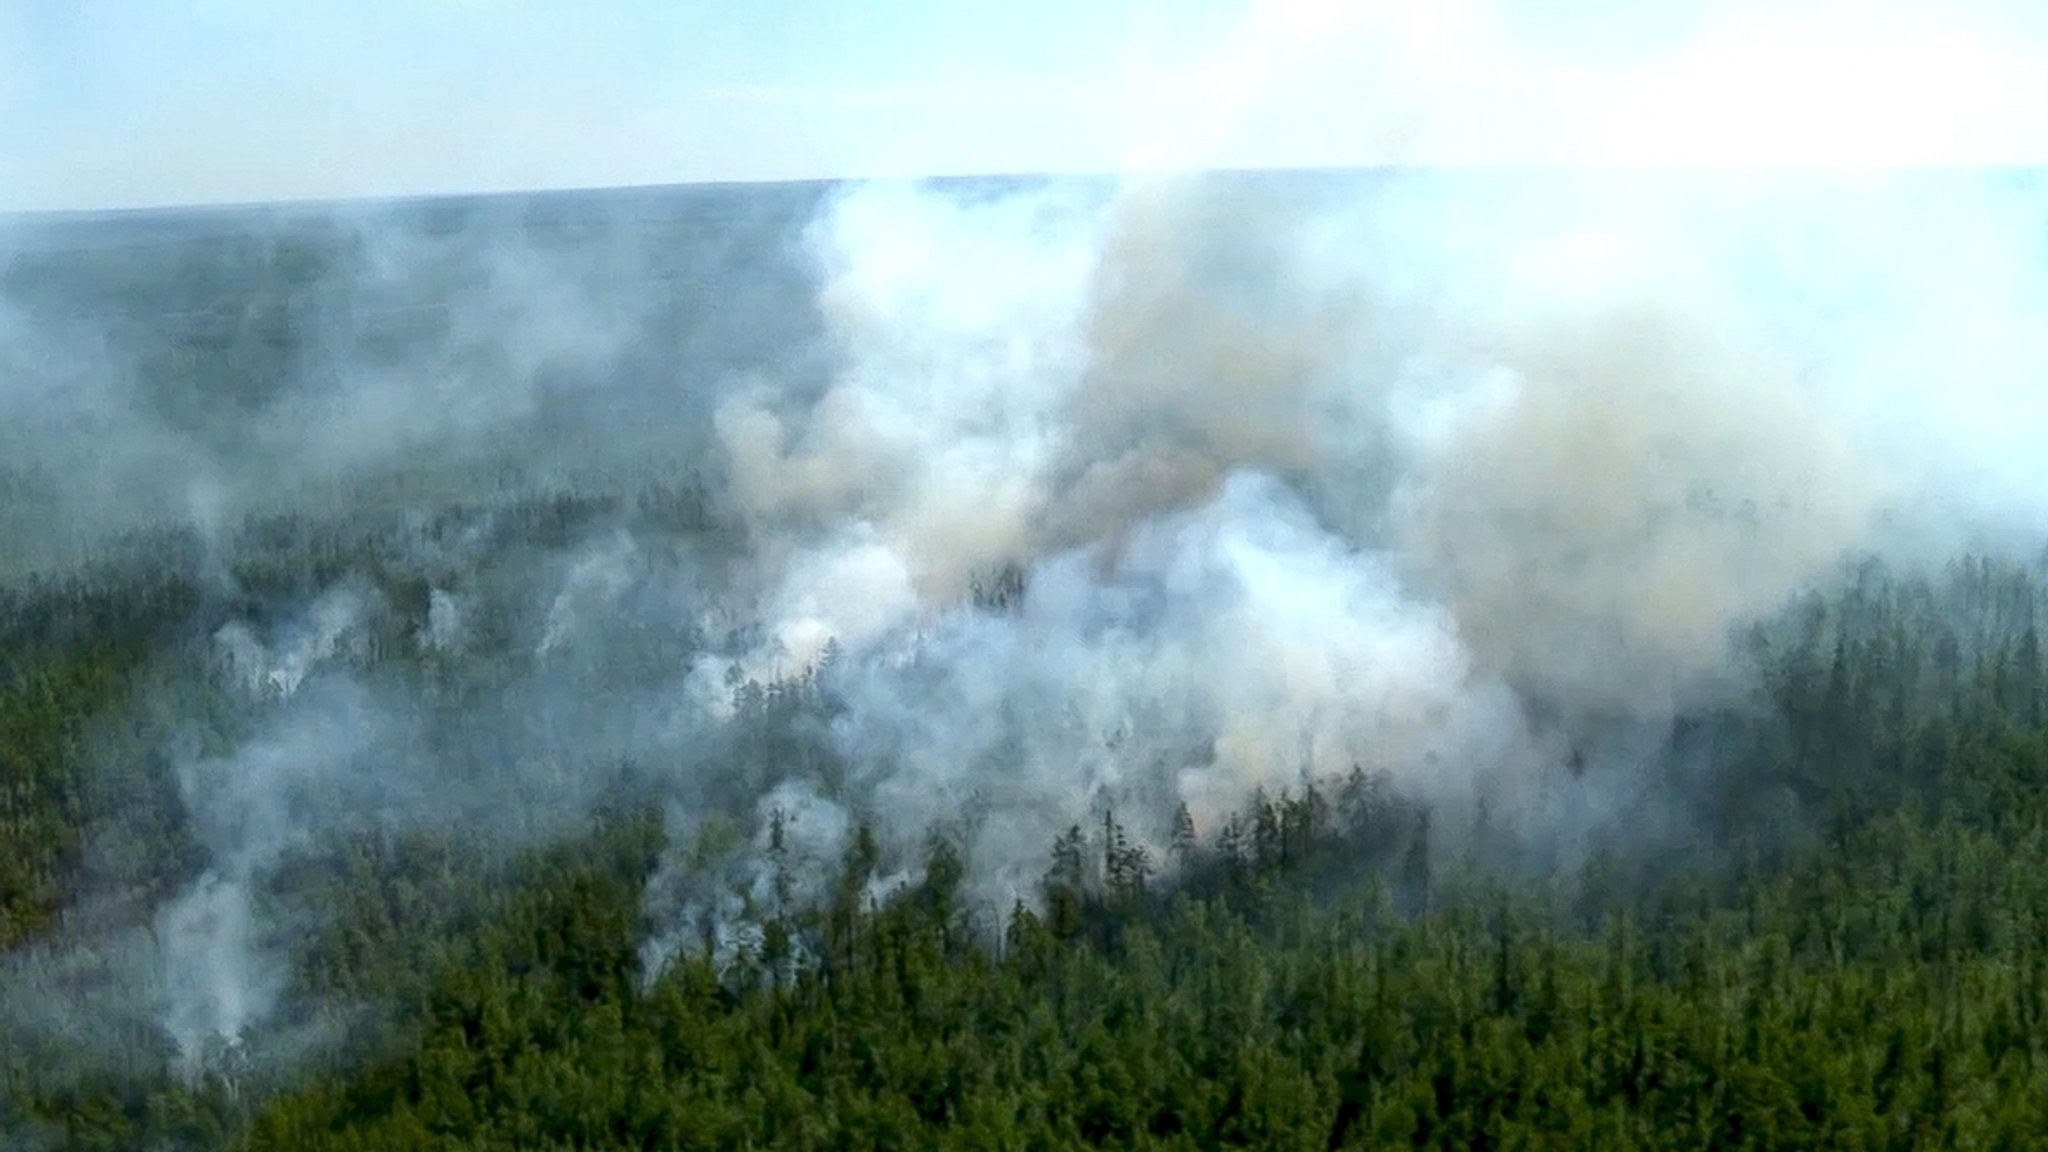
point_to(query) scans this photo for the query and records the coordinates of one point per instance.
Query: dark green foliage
(1857, 959)
(69, 652)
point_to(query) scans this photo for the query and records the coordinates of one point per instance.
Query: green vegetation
(1849, 951)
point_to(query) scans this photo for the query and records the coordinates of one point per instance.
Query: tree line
(1849, 949)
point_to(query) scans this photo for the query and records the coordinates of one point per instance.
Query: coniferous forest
(365, 824)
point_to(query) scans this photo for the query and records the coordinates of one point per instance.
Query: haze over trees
(997, 666)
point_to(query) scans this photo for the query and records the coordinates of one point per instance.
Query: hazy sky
(122, 102)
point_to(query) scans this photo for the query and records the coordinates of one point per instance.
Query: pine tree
(1184, 843)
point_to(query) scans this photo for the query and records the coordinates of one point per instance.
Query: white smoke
(310, 765)
(719, 902)
(1437, 475)
(1441, 475)
(593, 586)
(447, 625)
(1445, 477)
(275, 670)
(219, 979)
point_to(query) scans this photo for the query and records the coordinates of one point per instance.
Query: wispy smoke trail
(306, 768)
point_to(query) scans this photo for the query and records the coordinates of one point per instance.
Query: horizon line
(446, 195)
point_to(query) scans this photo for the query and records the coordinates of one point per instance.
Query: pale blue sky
(124, 102)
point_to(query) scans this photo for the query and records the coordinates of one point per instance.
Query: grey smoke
(194, 371)
(319, 758)
(219, 980)
(1443, 475)
(1449, 477)
(714, 896)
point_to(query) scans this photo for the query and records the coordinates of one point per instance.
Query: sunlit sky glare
(133, 102)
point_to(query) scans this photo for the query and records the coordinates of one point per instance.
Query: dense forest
(1850, 950)
(1016, 665)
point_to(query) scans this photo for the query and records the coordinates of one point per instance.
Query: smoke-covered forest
(1286, 661)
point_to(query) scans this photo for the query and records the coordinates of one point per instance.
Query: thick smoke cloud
(1470, 480)
(1233, 646)
(1446, 476)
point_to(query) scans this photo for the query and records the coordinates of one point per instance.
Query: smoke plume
(1442, 475)
(1012, 502)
